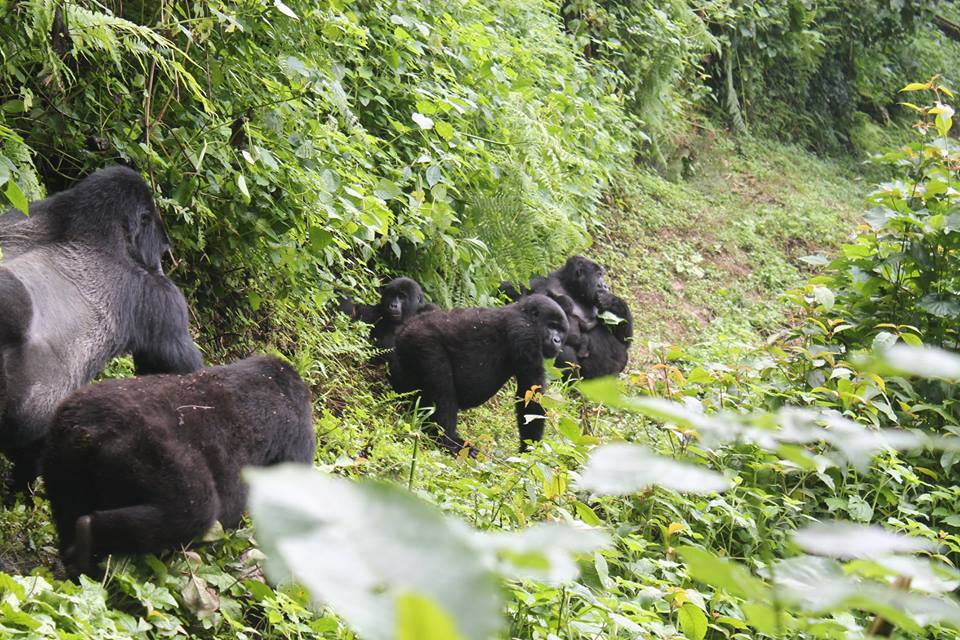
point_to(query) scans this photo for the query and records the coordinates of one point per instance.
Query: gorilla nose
(557, 341)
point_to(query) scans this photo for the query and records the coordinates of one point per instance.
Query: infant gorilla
(146, 464)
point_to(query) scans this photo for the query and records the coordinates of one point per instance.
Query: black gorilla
(605, 346)
(81, 283)
(592, 349)
(400, 300)
(146, 464)
(460, 358)
(576, 287)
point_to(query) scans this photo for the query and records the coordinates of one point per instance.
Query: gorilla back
(91, 288)
(146, 464)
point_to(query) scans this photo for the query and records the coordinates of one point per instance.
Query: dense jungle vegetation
(773, 186)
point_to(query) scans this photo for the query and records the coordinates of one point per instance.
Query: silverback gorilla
(81, 282)
(400, 300)
(146, 464)
(460, 358)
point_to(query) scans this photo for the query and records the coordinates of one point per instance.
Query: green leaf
(824, 297)
(242, 183)
(360, 547)
(420, 618)
(386, 189)
(925, 362)
(17, 198)
(693, 621)
(916, 86)
(761, 617)
(445, 129)
(722, 573)
(587, 514)
(434, 175)
(848, 540)
(422, 121)
(285, 10)
(622, 468)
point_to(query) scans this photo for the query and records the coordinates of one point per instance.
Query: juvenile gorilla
(577, 287)
(606, 345)
(81, 283)
(400, 300)
(145, 464)
(459, 359)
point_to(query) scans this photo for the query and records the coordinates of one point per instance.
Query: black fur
(400, 300)
(85, 267)
(146, 464)
(460, 358)
(606, 346)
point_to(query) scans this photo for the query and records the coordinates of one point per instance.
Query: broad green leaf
(824, 297)
(422, 121)
(722, 573)
(848, 540)
(619, 469)
(815, 260)
(693, 621)
(386, 189)
(761, 617)
(939, 306)
(544, 552)
(925, 362)
(360, 547)
(859, 509)
(16, 197)
(242, 183)
(434, 175)
(445, 129)
(420, 618)
(285, 10)
(916, 86)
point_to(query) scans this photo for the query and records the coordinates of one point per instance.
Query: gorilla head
(583, 280)
(400, 299)
(118, 199)
(548, 319)
(147, 239)
(111, 210)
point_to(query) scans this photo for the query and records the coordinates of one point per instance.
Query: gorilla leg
(26, 467)
(531, 417)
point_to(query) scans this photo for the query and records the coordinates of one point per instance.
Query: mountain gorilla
(577, 287)
(592, 349)
(400, 300)
(146, 464)
(605, 346)
(459, 359)
(84, 285)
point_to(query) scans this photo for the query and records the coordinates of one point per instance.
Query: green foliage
(294, 145)
(802, 70)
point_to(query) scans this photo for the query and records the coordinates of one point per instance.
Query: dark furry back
(155, 460)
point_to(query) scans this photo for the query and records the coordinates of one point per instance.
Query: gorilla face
(400, 299)
(551, 322)
(147, 239)
(584, 279)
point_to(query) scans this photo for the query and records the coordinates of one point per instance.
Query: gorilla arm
(162, 343)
